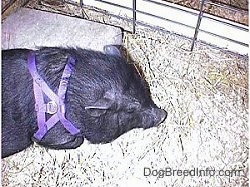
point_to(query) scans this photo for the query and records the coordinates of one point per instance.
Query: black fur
(105, 98)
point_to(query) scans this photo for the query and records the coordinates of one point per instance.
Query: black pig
(105, 98)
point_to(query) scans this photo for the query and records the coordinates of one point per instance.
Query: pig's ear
(112, 50)
(99, 108)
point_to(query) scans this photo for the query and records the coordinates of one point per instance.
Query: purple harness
(56, 106)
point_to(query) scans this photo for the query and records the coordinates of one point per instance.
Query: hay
(205, 93)
(239, 16)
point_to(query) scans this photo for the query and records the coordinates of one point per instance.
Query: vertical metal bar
(198, 24)
(81, 3)
(134, 15)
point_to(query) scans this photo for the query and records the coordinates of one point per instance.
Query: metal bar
(197, 28)
(162, 18)
(134, 15)
(145, 13)
(226, 23)
(114, 4)
(198, 24)
(225, 38)
(174, 7)
(166, 31)
(81, 3)
(228, 7)
(182, 24)
(192, 13)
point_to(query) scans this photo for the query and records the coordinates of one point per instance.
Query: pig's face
(116, 100)
(115, 116)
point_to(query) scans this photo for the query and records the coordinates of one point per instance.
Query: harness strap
(56, 104)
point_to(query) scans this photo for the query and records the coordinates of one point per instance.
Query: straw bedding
(205, 93)
(240, 16)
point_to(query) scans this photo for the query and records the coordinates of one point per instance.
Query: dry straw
(205, 93)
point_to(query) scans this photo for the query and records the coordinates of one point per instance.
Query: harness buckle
(51, 107)
(39, 82)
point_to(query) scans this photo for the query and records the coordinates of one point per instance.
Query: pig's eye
(133, 107)
(95, 111)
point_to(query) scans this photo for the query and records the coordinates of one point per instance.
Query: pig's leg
(15, 137)
(59, 138)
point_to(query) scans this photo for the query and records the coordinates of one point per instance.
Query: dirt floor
(205, 93)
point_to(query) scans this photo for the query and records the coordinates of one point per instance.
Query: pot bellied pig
(104, 97)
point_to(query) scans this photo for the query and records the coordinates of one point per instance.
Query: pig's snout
(159, 116)
(153, 117)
